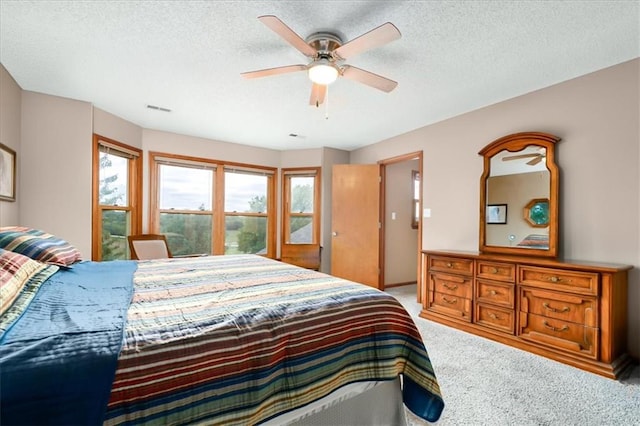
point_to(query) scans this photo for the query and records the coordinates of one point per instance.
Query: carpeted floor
(488, 383)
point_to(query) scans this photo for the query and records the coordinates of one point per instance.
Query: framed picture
(497, 214)
(7, 173)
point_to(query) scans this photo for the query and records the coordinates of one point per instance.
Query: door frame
(417, 155)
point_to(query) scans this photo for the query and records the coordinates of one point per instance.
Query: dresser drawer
(566, 307)
(447, 304)
(496, 271)
(558, 279)
(497, 293)
(455, 285)
(559, 334)
(451, 265)
(494, 317)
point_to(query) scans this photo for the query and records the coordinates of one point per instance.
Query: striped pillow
(15, 272)
(38, 245)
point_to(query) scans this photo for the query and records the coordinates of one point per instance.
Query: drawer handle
(493, 292)
(450, 287)
(451, 302)
(550, 327)
(552, 309)
(555, 279)
(494, 270)
(449, 265)
(493, 316)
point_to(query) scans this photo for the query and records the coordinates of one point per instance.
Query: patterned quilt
(241, 339)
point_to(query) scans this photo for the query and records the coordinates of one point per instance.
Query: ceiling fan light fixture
(323, 72)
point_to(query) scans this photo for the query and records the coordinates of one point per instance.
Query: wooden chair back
(149, 246)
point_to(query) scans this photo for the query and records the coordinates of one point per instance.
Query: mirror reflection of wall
(515, 190)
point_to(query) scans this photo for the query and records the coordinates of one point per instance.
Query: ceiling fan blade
(383, 34)
(368, 78)
(518, 157)
(535, 161)
(318, 92)
(280, 28)
(273, 71)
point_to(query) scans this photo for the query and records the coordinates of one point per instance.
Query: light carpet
(487, 383)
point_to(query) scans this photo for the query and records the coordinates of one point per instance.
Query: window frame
(415, 203)
(218, 214)
(134, 188)
(286, 175)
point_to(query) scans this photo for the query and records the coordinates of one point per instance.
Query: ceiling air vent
(158, 108)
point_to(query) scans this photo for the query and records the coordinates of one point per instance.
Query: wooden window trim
(218, 213)
(271, 213)
(286, 200)
(134, 191)
(415, 202)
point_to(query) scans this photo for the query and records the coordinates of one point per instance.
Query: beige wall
(10, 118)
(400, 239)
(55, 167)
(597, 117)
(113, 127)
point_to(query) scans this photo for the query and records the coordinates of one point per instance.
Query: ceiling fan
(327, 52)
(536, 157)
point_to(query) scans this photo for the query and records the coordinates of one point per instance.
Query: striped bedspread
(241, 339)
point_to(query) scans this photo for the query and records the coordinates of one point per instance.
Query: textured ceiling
(453, 57)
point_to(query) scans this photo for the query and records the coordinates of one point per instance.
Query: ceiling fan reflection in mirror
(327, 53)
(536, 157)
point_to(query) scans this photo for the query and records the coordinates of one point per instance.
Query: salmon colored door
(355, 226)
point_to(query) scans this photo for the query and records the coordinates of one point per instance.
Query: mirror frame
(513, 143)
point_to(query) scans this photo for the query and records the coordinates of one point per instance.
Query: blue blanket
(58, 360)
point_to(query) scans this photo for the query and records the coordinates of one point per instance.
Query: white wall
(596, 116)
(10, 118)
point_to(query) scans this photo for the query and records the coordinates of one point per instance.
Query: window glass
(302, 194)
(245, 192)
(415, 178)
(114, 178)
(187, 233)
(185, 188)
(115, 228)
(245, 234)
(301, 230)
(116, 195)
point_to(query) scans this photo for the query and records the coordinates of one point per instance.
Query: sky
(185, 188)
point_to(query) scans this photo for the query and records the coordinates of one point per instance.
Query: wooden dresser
(569, 311)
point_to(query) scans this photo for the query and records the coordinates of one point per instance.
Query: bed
(535, 241)
(236, 339)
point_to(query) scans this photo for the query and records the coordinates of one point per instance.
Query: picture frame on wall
(7, 173)
(497, 214)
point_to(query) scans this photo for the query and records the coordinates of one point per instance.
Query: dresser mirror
(519, 196)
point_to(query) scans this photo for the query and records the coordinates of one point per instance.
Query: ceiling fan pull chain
(326, 105)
